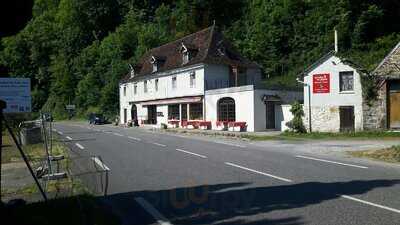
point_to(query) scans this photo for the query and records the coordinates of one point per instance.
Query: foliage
(76, 51)
(296, 124)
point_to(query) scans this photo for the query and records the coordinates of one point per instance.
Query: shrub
(296, 124)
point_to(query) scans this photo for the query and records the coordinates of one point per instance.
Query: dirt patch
(388, 155)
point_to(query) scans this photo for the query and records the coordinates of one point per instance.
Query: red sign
(321, 83)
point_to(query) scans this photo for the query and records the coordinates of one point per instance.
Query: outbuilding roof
(390, 65)
(206, 46)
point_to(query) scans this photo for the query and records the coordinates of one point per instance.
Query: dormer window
(187, 53)
(134, 70)
(154, 63)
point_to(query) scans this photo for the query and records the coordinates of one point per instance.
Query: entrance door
(184, 112)
(152, 114)
(125, 116)
(394, 105)
(270, 115)
(134, 113)
(346, 118)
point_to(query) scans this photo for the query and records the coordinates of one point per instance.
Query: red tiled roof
(205, 43)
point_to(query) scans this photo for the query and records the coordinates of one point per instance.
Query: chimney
(336, 42)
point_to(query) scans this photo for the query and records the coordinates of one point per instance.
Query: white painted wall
(325, 107)
(281, 114)
(244, 103)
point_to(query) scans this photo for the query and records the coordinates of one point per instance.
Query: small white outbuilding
(333, 90)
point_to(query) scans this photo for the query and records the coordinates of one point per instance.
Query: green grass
(374, 135)
(351, 135)
(77, 210)
(388, 155)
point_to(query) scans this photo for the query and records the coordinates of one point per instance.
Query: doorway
(270, 115)
(394, 104)
(346, 114)
(184, 112)
(125, 116)
(152, 114)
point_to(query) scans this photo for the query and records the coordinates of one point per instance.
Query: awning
(197, 99)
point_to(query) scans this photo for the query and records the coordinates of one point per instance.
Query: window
(226, 110)
(346, 80)
(196, 111)
(155, 67)
(156, 85)
(135, 88)
(173, 112)
(174, 82)
(124, 90)
(145, 86)
(192, 79)
(242, 77)
(185, 57)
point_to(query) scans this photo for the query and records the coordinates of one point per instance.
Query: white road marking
(133, 138)
(100, 163)
(69, 138)
(192, 153)
(155, 143)
(370, 203)
(60, 133)
(333, 162)
(152, 211)
(117, 134)
(54, 130)
(79, 146)
(230, 144)
(258, 172)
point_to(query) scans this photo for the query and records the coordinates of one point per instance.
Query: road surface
(160, 178)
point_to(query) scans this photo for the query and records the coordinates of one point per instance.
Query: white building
(336, 95)
(201, 81)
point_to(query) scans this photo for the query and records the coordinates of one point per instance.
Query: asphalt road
(158, 178)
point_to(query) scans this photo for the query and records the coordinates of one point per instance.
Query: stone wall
(374, 113)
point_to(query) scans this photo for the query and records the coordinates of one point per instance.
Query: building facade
(201, 81)
(336, 98)
(383, 112)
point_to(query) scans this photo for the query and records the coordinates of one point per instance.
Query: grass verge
(388, 155)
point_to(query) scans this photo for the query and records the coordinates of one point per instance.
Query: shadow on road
(230, 203)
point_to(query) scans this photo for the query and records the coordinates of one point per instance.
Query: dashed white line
(161, 220)
(60, 133)
(192, 153)
(117, 134)
(158, 144)
(230, 144)
(370, 203)
(69, 138)
(100, 163)
(79, 146)
(133, 138)
(258, 172)
(333, 162)
(54, 130)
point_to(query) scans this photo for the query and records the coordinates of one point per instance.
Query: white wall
(165, 89)
(244, 104)
(281, 114)
(325, 107)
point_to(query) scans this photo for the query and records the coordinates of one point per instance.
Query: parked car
(96, 118)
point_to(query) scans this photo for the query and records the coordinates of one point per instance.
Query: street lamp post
(309, 101)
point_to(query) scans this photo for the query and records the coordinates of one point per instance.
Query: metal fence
(56, 169)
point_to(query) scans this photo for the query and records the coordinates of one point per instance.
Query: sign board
(16, 92)
(70, 107)
(321, 83)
